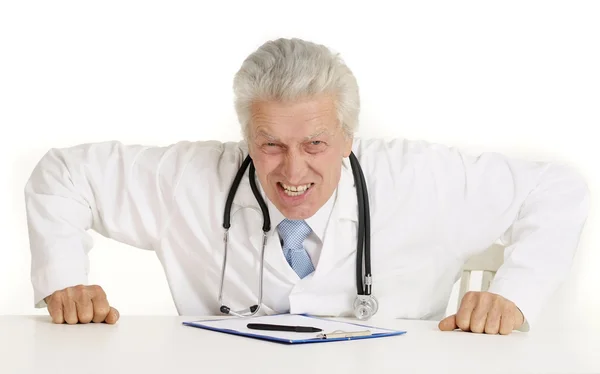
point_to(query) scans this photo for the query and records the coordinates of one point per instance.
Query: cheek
(265, 165)
(328, 168)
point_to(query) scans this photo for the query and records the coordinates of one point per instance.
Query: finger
(463, 316)
(492, 323)
(69, 310)
(507, 321)
(85, 309)
(101, 308)
(519, 317)
(55, 308)
(112, 317)
(448, 323)
(479, 315)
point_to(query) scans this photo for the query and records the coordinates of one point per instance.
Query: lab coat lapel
(340, 235)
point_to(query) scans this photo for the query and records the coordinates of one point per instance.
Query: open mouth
(295, 190)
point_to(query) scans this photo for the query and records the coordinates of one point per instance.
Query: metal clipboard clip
(343, 334)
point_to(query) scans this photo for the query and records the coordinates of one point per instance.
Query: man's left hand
(484, 312)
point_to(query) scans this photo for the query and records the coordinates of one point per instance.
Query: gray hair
(289, 69)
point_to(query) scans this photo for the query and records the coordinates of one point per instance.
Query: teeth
(295, 190)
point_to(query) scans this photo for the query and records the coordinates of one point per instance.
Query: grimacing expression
(297, 149)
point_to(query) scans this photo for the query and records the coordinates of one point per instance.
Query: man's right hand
(81, 304)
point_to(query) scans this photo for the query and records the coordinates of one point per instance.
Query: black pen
(266, 326)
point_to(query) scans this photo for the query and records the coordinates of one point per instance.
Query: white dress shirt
(432, 207)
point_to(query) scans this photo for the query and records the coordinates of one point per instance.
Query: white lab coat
(432, 208)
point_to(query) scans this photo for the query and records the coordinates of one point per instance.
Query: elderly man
(428, 209)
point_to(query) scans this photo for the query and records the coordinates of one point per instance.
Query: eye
(271, 147)
(316, 146)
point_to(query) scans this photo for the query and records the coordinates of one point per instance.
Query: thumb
(448, 323)
(112, 317)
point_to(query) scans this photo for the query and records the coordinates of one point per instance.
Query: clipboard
(332, 330)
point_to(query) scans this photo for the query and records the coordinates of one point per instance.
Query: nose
(294, 168)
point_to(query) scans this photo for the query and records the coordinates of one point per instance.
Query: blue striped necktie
(293, 233)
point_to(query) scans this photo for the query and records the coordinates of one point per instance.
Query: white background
(516, 77)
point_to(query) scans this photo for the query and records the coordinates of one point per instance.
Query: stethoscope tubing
(363, 284)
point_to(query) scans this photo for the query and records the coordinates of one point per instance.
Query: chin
(297, 213)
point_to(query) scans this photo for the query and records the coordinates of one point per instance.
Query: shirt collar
(318, 222)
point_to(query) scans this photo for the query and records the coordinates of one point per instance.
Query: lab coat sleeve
(536, 210)
(542, 241)
(123, 192)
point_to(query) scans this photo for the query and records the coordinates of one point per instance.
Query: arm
(121, 191)
(537, 210)
(541, 242)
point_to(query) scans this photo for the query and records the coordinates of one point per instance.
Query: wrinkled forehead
(301, 119)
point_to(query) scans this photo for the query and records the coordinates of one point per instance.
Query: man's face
(297, 150)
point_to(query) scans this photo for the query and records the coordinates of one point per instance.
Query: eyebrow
(274, 138)
(316, 134)
(268, 136)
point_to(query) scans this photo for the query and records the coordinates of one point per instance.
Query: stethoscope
(365, 305)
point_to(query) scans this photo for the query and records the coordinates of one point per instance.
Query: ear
(347, 148)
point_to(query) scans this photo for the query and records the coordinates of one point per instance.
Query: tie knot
(293, 233)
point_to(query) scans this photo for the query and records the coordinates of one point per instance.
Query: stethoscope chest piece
(365, 306)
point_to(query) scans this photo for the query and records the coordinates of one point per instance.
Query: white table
(148, 344)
